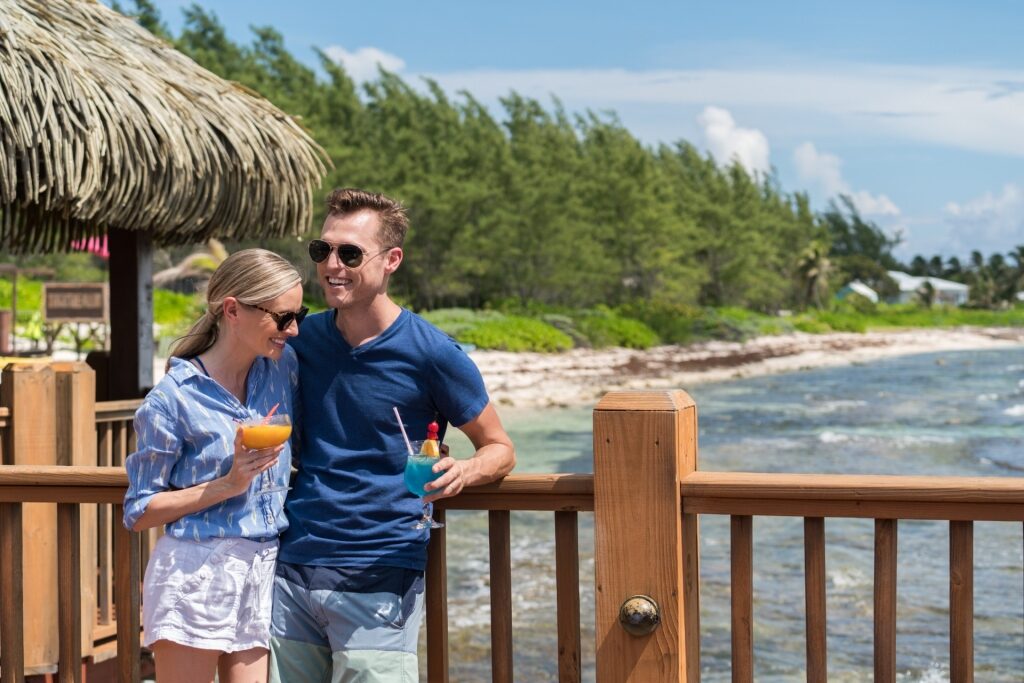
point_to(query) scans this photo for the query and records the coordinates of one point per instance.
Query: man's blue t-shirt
(349, 506)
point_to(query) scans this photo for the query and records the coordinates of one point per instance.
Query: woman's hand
(248, 463)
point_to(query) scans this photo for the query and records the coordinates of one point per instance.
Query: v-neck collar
(183, 370)
(388, 332)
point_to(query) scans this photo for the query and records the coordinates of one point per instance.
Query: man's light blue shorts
(345, 624)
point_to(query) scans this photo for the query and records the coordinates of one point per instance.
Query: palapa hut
(106, 129)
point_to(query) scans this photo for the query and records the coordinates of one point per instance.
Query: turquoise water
(937, 414)
(418, 472)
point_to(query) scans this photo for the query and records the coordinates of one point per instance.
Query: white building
(946, 291)
(858, 287)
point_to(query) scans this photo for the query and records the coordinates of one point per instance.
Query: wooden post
(28, 391)
(76, 445)
(644, 443)
(131, 330)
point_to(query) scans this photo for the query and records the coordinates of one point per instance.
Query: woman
(207, 589)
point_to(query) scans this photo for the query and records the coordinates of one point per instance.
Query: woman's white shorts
(214, 594)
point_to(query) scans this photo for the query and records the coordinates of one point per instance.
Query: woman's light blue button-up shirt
(185, 430)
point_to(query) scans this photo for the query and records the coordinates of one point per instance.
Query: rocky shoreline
(582, 376)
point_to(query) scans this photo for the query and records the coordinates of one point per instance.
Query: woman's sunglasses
(350, 255)
(283, 320)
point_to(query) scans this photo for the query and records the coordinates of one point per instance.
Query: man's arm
(494, 458)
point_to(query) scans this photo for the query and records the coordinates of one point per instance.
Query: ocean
(953, 413)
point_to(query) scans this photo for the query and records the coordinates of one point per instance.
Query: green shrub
(673, 323)
(607, 328)
(857, 303)
(456, 321)
(811, 326)
(516, 333)
(565, 323)
(844, 322)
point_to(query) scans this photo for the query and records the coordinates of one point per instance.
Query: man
(348, 595)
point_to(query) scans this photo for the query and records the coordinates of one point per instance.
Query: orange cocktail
(266, 433)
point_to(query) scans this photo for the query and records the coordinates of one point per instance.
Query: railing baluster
(69, 591)
(742, 581)
(437, 604)
(12, 596)
(885, 600)
(814, 596)
(104, 545)
(501, 596)
(961, 602)
(120, 442)
(567, 587)
(127, 597)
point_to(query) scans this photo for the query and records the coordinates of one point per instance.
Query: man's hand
(450, 483)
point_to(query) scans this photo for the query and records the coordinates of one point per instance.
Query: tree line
(538, 206)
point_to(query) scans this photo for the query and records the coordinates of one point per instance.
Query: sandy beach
(581, 376)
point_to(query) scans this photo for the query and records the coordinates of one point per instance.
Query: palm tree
(925, 295)
(195, 269)
(814, 268)
(953, 268)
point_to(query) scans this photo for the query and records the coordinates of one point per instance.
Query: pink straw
(266, 418)
(401, 426)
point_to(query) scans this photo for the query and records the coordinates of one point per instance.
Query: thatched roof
(104, 125)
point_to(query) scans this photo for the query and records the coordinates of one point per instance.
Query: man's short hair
(394, 222)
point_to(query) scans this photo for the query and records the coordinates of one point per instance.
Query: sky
(913, 109)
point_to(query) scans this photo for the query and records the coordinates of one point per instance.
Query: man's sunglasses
(350, 255)
(283, 320)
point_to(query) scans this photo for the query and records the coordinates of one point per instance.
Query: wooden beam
(131, 324)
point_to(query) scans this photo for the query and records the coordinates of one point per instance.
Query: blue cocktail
(419, 472)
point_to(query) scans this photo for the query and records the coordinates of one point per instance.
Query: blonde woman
(207, 589)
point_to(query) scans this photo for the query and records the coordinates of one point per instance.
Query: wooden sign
(75, 302)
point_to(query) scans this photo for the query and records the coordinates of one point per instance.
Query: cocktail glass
(267, 432)
(419, 472)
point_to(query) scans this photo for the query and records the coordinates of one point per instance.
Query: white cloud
(727, 142)
(992, 222)
(361, 65)
(966, 108)
(825, 170)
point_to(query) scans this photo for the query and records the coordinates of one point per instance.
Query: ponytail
(199, 338)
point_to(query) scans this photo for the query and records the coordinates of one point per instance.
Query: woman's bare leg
(177, 663)
(247, 666)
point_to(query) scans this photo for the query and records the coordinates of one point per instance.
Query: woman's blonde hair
(252, 276)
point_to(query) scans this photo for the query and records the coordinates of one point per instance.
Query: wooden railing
(69, 487)
(646, 496)
(563, 494)
(115, 440)
(886, 499)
